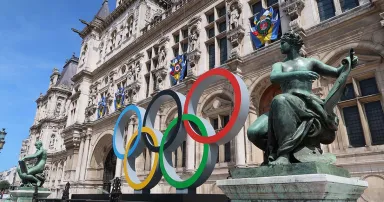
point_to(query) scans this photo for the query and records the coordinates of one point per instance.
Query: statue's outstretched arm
(35, 155)
(326, 70)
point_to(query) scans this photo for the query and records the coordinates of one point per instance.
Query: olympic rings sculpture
(162, 145)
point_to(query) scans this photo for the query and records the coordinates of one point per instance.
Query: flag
(178, 69)
(265, 27)
(102, 108)
(119, 98)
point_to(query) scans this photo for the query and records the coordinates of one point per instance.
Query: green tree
(4, 185)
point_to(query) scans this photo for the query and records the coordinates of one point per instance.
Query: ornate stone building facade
(127, 53)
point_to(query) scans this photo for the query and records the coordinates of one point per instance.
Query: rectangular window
(185, 33)
(375, 118)
(185, 47)
(176, 157)
(184, 150)
(256, 8)
(348, 4)
(326, 9)
(350, 92)
(149, 53)
(147, 83)
(175, 51)
(221, 11)
(211, 33)
(176, 38)
(148, 66)
(368, 87)
(222, 27)
(223, 50)
(210, 18)
(225, 120)
(215, 123)
(227, 152)
(271, 2)
(211, 53)
(155, 86)
(353, 125)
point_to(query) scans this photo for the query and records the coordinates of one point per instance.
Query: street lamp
(2, 138)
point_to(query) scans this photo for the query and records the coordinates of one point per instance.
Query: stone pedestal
(299, 187)
(22, 194)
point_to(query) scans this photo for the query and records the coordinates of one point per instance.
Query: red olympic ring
(237, 104)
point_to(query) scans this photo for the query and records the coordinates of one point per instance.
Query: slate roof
(104, 11)
(69, 70)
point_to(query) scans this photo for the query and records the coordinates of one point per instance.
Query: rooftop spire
(104, 10)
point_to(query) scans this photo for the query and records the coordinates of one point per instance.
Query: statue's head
(38, 144)
(291, 41)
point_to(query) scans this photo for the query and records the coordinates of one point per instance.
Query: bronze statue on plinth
(33, 176)
(299, 121)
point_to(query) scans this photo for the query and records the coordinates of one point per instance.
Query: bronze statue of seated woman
(33, 176)
(299, 121)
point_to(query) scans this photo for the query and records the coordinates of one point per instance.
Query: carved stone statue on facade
(130, 73)
(111, 92)
(299, 121)
(193, 39)
(137, 71)
(162, 58)
(92, 97)
(234, 16)
(33, 175)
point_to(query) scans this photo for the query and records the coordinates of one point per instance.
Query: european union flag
(265, 27)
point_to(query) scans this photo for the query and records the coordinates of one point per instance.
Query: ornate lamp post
(2, 138)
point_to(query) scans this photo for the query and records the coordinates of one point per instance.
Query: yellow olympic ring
(143, 184)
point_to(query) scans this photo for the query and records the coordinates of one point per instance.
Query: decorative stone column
(62, 173)
(79, 156)
(240, 149)
(85, 155)
(190, 160)
(257, 154)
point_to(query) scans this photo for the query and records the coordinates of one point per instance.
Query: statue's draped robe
(297, 118)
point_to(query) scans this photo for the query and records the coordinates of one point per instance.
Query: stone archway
(266, 98)
(109, 170)
(102, 160)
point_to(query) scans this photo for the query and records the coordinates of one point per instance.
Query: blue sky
(35, 37)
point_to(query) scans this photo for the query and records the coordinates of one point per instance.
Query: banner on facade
(265, 27)
(102, 108)
(119, 98)
(178, 69)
